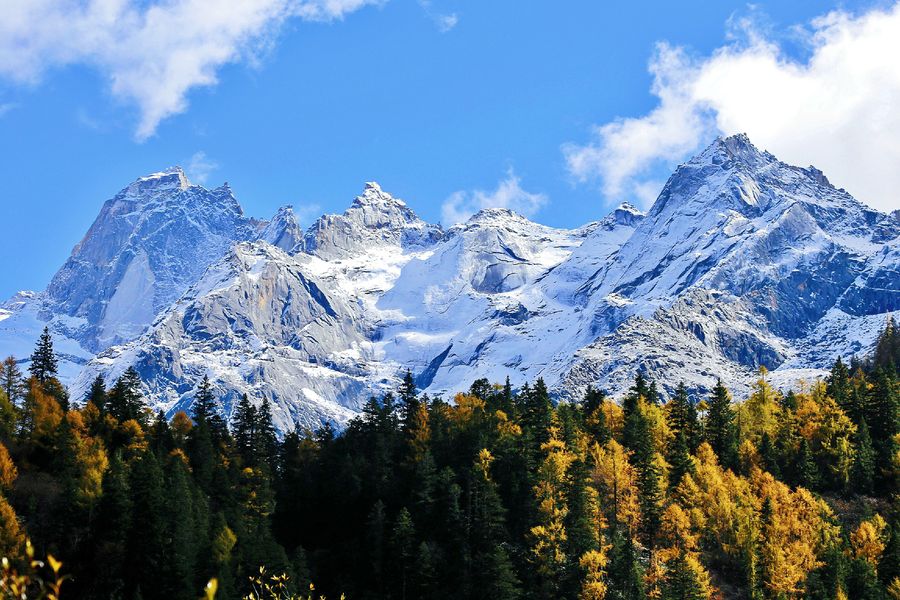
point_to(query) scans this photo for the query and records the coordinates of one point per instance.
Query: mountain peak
(626, 214)
(283, 230)
(171, 178)
(493, 214)
(373, 195)
(374, 218)
(734, 148)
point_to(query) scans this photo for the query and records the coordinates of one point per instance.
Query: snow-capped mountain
(742, 261)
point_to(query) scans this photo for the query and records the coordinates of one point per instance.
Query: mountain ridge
(743, 261)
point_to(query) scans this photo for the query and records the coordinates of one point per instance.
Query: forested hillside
(496, 495)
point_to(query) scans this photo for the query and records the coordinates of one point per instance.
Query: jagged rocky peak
(283, 230)
(377, 208)
(172, 178)
(817, 175)
(148, 244)
(496, 217)
(626, 214)
(374, 219)
(737, 148)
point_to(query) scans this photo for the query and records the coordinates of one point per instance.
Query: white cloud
(446, 22)
(307, 213)
(461, 205)
(151, 52)
(835, 109)
(200, 167)
(443, 21)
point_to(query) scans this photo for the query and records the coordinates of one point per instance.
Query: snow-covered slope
(743, 261)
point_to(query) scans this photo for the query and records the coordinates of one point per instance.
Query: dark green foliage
(147, 548)
(887, 350)
(679, 460)
(682, 417)
(681, 583)
(863, 474)
(862, 582)
(125, 401)
(96, 394)
(402, 548)
(720, 430)
(637, 437)
(207, 411)
(111, 534)
(12, 381)
(769, 456)
(244, 429)
(806, 470)
(416, 498)
(625, 573)
(43, 364)
(594, 415)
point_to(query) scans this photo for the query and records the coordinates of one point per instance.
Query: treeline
(497, 495)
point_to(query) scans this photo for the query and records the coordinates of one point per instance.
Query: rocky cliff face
(742, 262)
(149, 243)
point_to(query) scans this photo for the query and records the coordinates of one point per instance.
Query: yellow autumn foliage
(869, 540)
(616, 482)
(8, 470)
(593, 563)
(759, 413)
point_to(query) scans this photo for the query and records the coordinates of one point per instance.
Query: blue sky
(436, 101)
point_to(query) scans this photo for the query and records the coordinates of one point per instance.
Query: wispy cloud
(307, 213)
(200, 167)
(461, 205)
(443, 21)
(836, 108)
(153, 52)
(6, 107)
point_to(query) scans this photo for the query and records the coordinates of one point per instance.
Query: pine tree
(595, 415)
(637, 437)
(110, 535)
(807, 471)
(176, 579)
(11, 380)
(887, 349)
(682, 417)
(161, 440)
(626, 577)
(720, 430)
(883, 418)
(839, 388)
(96, 394)
(125, 401)
(493, 576)
(244, 424)
(582, 522)
(205, 409)
(376, 524)
(265, 441)
(403, 544)
(769, 455)
(409, 400)
(204, 405)
(147, 549)
(863, 474)
(680, 460)
(685, 579)
(43, 363)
